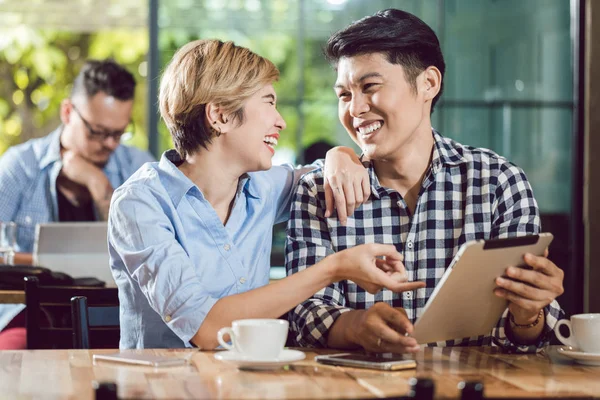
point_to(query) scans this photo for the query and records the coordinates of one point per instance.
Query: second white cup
(584, 332)
(260, 339)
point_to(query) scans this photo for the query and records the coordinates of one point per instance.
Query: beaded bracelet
(531, 325)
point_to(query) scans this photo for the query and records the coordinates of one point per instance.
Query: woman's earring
(216, 132)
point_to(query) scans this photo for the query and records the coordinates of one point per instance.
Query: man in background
(70, 174)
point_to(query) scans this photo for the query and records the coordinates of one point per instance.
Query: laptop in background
(78, 249)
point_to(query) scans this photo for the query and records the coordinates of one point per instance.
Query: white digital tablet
(463, 303)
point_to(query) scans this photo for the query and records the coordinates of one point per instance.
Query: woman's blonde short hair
(209, 71)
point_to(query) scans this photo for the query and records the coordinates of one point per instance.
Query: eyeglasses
(103, 135)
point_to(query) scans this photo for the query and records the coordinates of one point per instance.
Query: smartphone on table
(385, 361)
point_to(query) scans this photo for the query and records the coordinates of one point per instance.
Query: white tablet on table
(463, 303)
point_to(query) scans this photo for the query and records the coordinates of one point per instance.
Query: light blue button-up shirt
(28, 175)
(173, 259)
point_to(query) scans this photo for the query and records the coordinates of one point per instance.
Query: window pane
(291, 33)
(509, 87)
(508, 82)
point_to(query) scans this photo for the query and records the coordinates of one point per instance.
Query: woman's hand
(346, 182)
(374, 267)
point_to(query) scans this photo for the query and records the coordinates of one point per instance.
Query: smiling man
(429, 195)
(70, 174)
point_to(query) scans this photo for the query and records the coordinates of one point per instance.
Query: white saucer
(580, 356)
(245, 362)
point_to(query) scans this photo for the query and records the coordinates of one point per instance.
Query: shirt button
(409, 244)
(227, 247)
(399, 203)
(407, 295)
(242, 280)
(28, 220)
(167, 318)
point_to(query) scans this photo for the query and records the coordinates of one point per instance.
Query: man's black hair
(104, 76)
(402, 37)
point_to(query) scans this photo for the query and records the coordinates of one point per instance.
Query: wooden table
(12, 297)
(70, 373)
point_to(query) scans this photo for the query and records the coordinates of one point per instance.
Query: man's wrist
(526, 321)
(99, 186)
(97, 179)
(350, 322)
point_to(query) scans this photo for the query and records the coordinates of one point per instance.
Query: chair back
(57, 317)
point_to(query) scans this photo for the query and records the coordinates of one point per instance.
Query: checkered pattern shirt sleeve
(516, 213)
(307, 243)
(468, 194)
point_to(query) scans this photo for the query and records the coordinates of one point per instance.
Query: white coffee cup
(584, 332)
(260, 339)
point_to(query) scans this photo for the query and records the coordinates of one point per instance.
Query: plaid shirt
(467, 194)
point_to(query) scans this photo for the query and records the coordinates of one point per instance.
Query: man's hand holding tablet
(528, 291)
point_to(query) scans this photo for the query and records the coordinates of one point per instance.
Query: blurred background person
(70, 174)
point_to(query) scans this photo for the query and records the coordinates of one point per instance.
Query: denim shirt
(173, 258)
(28, 197)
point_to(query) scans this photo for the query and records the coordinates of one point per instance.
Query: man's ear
(431, 82)
(66, 111)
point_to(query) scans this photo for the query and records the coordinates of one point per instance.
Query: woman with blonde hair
(190, 236)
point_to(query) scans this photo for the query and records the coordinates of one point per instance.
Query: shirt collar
(247, 185)
(52, 154)
(444, 154)
(178, 184)
(376, 189)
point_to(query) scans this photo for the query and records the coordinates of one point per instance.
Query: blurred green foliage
(37, 66)
(310, 101)
(37, 69)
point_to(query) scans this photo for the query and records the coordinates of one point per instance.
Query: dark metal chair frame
(93, 316)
